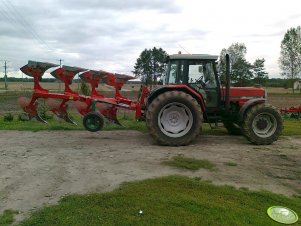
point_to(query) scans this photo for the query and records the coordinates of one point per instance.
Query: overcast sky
(110, 34)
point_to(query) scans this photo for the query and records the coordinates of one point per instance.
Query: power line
(11, 13)
(27, 24)
(8, 16)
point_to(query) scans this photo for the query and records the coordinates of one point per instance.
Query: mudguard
(249, 104)
(154, 93)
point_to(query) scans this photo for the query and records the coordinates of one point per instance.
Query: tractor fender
(249, 104)
(156, 92)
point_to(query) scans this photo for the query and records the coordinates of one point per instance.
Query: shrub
(23, 117)
(42, 110)
(84, 88)
(8, 117)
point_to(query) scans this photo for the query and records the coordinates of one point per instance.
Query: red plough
(86, 105)
(293, 112)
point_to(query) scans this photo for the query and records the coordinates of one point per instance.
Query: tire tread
(153, 107)
(247, 124)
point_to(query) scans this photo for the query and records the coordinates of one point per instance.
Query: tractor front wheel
(93, 121)
(174, 118)
(262, 124)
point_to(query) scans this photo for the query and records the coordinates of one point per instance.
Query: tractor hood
(244, 93)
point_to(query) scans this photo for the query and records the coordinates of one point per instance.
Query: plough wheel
(93, 121)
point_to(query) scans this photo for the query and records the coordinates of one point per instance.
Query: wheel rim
(175, 119)
(92, 122)
(264, 125)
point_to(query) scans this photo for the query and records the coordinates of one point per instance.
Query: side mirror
(166, 59)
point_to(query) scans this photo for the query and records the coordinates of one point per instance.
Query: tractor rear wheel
(93, 121)
(262, 124)
(174, 118)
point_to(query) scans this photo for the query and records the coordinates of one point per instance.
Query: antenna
(183, 48)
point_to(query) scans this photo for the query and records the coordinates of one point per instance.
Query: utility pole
(5, 75)
(60, 60)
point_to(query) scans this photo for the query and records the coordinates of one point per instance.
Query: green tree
(290, 55)
(241, 72)
(150, 65)
(260, 75)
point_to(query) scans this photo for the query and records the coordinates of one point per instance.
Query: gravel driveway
(37, 168)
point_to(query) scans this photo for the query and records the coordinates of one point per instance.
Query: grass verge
(7, 218)
(128, 122)
(291, 126)
(183, 162)
(172, 200)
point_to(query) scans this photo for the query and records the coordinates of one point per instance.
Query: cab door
(201, 77)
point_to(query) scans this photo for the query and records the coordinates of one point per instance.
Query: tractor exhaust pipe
(227, 96)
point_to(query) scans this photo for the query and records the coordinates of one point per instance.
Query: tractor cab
(198, 71)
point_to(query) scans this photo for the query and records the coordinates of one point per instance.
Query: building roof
(193, 56)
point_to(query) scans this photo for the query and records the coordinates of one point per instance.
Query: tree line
(149, 66)
(270, 82)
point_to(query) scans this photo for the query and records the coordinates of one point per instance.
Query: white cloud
(110, 35)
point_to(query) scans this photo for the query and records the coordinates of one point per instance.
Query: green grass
(7, 217)
(292, 127)
(172, 200)
(33, 125)
(189, 163)
(129, 123)
(230, 164)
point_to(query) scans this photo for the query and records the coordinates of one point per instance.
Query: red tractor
(192, 94)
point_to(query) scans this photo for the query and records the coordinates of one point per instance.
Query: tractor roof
(193, 56)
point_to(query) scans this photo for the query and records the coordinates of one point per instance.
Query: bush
(84, 88)
(23, 117)
(8, 117)
(42, 110)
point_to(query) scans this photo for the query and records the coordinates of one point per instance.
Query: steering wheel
(201, 81)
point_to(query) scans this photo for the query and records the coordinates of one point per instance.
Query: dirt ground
(37, 168)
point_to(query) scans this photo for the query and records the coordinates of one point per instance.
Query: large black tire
(262, 124)
(232, 128)
(174, 118)
(93, 121)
